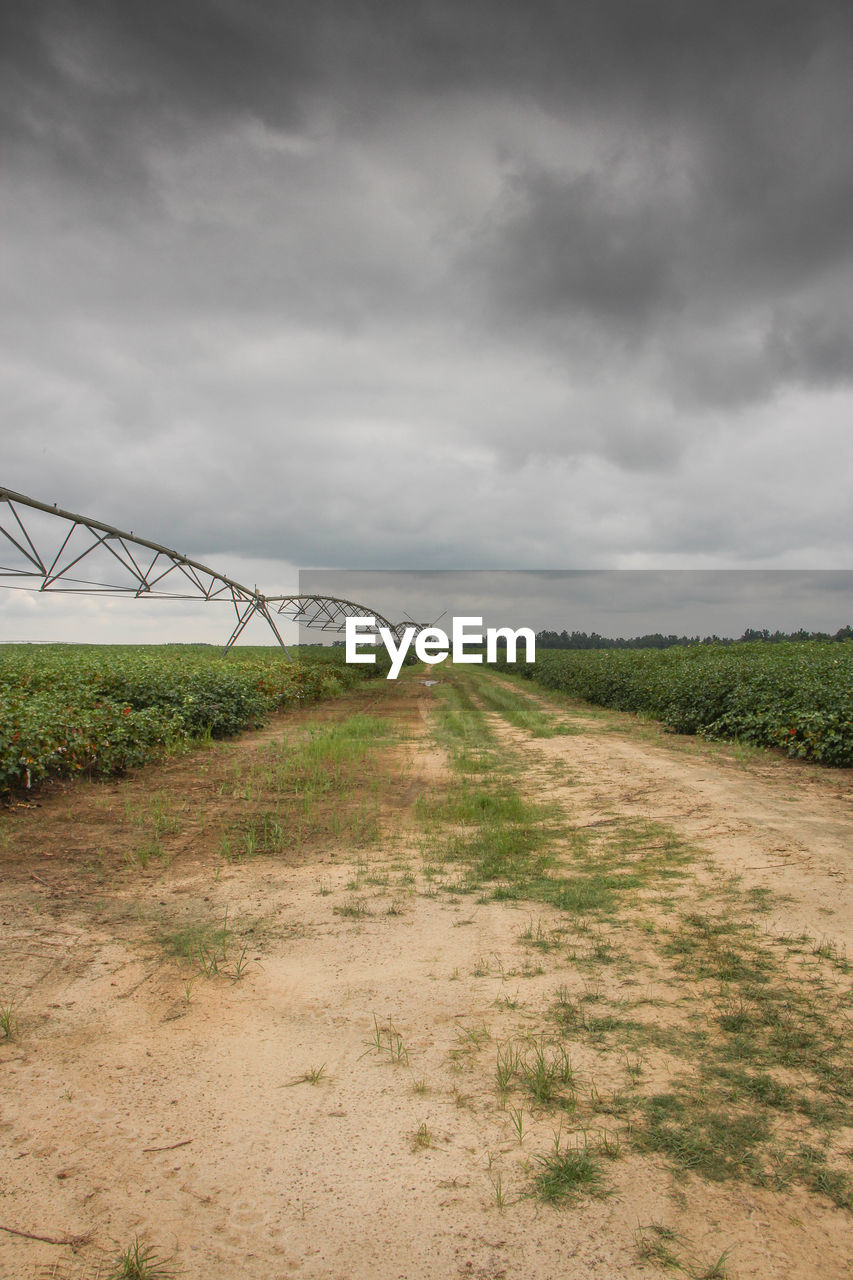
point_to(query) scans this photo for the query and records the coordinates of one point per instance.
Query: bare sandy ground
(134, 1106)
(780, 824)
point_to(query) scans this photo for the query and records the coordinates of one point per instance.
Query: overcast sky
(614, 602)
(433, 285)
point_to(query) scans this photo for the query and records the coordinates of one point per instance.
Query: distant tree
(656, 640)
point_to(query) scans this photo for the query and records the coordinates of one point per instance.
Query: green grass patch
(516, 708)
(323, 783)
(564, 1173)
(468, 804)
(774, 1070)
(697, 1136)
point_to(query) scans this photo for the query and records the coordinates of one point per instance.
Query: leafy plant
(67, 710)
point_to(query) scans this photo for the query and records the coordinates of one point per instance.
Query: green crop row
(795, 696)
(98, 710)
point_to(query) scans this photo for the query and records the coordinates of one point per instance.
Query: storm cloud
(439, 285)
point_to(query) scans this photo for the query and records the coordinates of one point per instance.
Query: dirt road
(285, 1064)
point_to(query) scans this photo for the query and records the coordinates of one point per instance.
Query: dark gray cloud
(435, 284)
(576, 246)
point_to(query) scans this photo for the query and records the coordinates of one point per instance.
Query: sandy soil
(133, 1106)
(779, 824)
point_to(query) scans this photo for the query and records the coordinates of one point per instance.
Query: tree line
(592, 640)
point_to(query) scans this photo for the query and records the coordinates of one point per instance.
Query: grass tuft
(141, 1262)
(565, 1172)
(8, 1021)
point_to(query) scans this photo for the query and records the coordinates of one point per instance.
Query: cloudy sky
(453, 284)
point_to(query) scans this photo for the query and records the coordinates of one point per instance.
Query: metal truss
(45, 548)
(328, 613)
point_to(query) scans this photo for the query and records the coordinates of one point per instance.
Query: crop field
(796, 696)
(450, 976)
(69, 710)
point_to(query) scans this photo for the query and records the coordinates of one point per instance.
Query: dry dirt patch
(332, 1112)
(781, 825)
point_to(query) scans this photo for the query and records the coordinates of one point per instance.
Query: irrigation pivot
(45, 548)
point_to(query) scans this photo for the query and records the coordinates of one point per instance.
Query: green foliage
(97, 710)
(797, 696)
